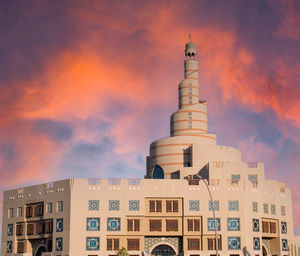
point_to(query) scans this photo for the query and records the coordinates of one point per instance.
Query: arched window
(158, 172)
(164, 250)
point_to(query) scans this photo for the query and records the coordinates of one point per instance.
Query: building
(167, 213)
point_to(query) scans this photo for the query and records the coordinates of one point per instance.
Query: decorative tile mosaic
(235, 178)
(10, 229)
(283, 227)
(234, 243)
(9, 246)
(233, 205)
(256, 243)
(284, 243)
(255, 225)
(233, 224)
(92, 224)
(254, 206)
(114, 205)
(59, 225)
(113, 224)
(59, 244)
(194, 205)
(211, 224)
(92, 244)
(134, 205)
(216, 205)
(93, 205)
(273, 209)
(282, 208)
(252, 178)
(266, 208)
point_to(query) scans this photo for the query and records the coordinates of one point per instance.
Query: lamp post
(213, 209)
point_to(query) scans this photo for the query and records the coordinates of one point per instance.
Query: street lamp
(213, 209)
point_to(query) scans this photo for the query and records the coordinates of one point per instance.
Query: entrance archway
(163, 250)
(264, 251)
(40, 250)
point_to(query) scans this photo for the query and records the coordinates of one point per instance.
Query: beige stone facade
(167, 213)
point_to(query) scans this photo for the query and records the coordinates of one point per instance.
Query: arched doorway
(158, 172)
(40, 250)
(264, 251)
(163, 250)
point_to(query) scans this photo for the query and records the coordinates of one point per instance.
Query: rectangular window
(133, 225)
(193, 224)
(29, 211)
(41, 228)
(49, 207)
(133, 244)
(60, 206)
(155, 205)
(10, 212)
(113, 244)
(272, 227)
(20, 211)
(20, 229)
(211, 244)
(266, 208)
(39, 210)
(30, 229)
(171, 206)
(265, 227)
(172, 225)
(273, 209)
(21, 247)
(49, 227)
(283, 210)
(193, 244)
(155, 225)
(254, 207)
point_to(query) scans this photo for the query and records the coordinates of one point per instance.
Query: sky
(85, 87)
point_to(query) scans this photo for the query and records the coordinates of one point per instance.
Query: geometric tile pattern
(10, 229)
(93, 224)
(134, 205)
(215, 205)
(114, 205)
(59, 244)
(233, 224)
(266, 208)
(93, 205)
(235, 178)
(267, 244)
(273, 209)
(285, 246)
(113, 224)
(211, 224)
(256, 243)
(234, 243)
(252, 178)
(9, 246)
(59, 225)
(151, 241)
(283, 227)
(233, 205)
(92, 244)
(254, 207)
(194, 205)
(255, 225)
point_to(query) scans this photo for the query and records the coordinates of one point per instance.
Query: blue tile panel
(234, 243)
(233, 205)
(9, 246)
(215, 205)
(284, 243)
(92, 244)
(233, 224)
(252, 178)
(211, 224)
(134, 205)
(194, 205)
(114, 205)
(113, 224)
(256, 243)
(93, 205)
(283, 227)
(10, 229)
(255, 225)
(59, 244)
(93, 224)
(59, 225)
